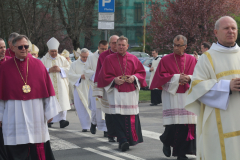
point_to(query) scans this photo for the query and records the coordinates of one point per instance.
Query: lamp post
(144, 26)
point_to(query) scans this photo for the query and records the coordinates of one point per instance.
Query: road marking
(120, 153)
(104, 139)
(103, 154)
(151, 134)
(58, 144)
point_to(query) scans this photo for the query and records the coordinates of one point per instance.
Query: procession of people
(199, 95)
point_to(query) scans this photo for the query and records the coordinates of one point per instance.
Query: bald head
(222, 20)
(226, 31)
(113, 42)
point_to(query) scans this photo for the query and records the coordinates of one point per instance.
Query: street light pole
(144, 26)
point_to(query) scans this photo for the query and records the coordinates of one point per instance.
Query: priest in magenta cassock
(3, 59)
(9, 51)
(214, 95)
(58, 67)
(100, 92)
(174, 74)
(122, 75)
(27, 102)
(98, 117)
(80, 88)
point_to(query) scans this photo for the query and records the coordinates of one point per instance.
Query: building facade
(128, 22)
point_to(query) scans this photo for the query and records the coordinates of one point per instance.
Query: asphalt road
(72, 144)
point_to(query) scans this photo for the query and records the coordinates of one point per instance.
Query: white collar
(234, 47)
(220, 48)
(20, 59)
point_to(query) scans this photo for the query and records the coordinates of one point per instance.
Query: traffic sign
(106, 25)
(106, 17)
(106, 6)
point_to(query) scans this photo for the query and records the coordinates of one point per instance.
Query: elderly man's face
(113, 43)
(34, 54)
(21, 48)
(122, 47)
(2, 49)
(227, 32)
(84, 56)
(53, 53)
(102, 48)
(178, 46)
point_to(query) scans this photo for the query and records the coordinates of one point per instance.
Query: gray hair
(12, 36)
(217, 24)
(18, 38)
(111, 37)
(178, 37)
(84, 50)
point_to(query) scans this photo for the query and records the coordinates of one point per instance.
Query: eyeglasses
(178, 45)
(21, 47)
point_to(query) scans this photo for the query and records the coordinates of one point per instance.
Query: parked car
(140, 54)
(142, 59)
(148, 62)
(148, 74)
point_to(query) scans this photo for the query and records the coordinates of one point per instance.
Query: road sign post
(106, 9)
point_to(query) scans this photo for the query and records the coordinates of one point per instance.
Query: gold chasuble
(218, 131)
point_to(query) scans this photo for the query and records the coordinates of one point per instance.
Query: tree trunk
(89, 24)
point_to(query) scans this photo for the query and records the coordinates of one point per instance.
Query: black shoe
(93, 128)
(50, 125)
(111, 139)
(166, 150)
(84, 130)
(182, 158)
(153, 104)
(125, 146)
(63, 123)
(105, 134)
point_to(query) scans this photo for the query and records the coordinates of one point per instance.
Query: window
(118, 12)
(138, 13)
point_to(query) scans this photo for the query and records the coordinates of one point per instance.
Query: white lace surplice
(26, 121)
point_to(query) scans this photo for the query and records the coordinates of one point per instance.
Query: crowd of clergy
(199, 96)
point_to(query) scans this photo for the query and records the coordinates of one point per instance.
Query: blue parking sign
(106, 6)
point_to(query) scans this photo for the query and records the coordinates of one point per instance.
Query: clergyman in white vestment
(156, 93)
(214, 95)
(80, 88)
(58, 68)
(98, 117)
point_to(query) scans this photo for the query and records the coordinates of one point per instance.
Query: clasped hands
(184, 79)
(235, 84)
(54, 69)
(119, 81)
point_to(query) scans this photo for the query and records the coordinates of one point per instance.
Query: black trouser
(156, 96)
(175, 135)
(28, 152)
(110, 125)
(124, 130)
(3, 152)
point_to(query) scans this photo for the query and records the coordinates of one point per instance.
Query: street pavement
(71, 144)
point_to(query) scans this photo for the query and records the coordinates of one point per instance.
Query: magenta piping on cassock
(133, 129)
